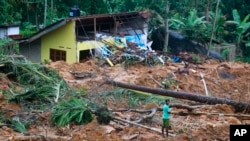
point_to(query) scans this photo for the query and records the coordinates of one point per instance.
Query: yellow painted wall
(62, 38)
(86, 45)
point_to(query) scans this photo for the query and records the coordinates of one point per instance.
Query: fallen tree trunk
(239, 106)
(143, 126)
(183, 106)
(184, 113)
(172, 105)
(38, 138)
(149, 116)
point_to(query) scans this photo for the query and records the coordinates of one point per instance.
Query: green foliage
(196, 58)
(193, 27)
(225, 52)
(117, 94)
(134, 98)
(9, 13)
(168, 82)
(71, 111)
(2, 117)
(176, 22)
(8, 47)
(36, 95)
(242, 26)
(15, 122)
(248, 44)
(38, 85)
(243, 59)
(242, 6)
(220, 31)
(4, 42)
(27, 29)
(28, 73)
(103, 115)
(81, 91)
(156, 20)
(17, 125)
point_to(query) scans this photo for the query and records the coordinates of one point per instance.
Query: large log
(39, 138)
(239, 106)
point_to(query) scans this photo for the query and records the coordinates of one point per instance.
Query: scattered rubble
(195, 121)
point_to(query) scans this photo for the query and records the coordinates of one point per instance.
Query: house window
(56, 55)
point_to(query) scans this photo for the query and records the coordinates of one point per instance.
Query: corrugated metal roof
(9, 25)
(144, 14)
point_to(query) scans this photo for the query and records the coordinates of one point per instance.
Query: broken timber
(239, 106)
(143, 126)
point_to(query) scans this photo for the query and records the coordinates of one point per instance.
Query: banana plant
(241, 26)
(195, 23)
(194, 27)
(248, 43)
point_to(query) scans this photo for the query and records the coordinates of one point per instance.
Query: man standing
(165, 117)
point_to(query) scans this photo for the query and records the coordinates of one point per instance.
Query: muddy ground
(229, 80)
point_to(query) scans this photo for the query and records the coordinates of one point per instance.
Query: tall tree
(45, 13)
(213, 27)
(166, 28)
(10, 12)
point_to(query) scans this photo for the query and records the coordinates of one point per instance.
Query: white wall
(11, 30)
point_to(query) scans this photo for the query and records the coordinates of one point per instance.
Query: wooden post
(232, 53)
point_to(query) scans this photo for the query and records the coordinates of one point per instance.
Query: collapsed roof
(87, 25)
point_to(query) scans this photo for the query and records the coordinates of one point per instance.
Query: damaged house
(78, 37)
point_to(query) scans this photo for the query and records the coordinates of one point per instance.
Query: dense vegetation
(198, 20)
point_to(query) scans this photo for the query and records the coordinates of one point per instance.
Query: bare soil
(229, 80)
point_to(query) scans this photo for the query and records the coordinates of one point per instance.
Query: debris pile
(127, 49)
(136, 114)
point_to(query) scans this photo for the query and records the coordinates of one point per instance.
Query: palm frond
(43, 94)
(17, 125)
(71, 111)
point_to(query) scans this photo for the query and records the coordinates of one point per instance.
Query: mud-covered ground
(229, 80)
